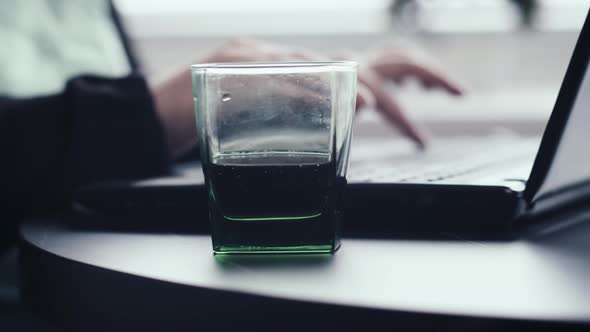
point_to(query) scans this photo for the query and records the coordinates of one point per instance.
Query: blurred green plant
(528, 9)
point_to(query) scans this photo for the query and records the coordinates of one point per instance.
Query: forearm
(174, 105)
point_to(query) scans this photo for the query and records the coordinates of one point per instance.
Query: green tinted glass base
(274, 209)
(310, 249)
(289, 235)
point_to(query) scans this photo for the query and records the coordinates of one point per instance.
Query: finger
(429, 77)
(391, 109)
(435, 79)
(284, 53)
(391, 57)
(364, 97)
(345, 56)
(307, 55)
(242, 42)
(427, 85)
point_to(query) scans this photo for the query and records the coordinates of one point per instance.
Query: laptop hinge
(559, 200)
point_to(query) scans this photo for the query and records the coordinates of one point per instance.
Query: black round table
(100, 280)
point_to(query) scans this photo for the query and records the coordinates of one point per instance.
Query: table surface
(545, 276)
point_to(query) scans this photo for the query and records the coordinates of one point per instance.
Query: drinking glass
(275, 141)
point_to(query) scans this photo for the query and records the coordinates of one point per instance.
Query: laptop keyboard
(458, 160)
(448, 160)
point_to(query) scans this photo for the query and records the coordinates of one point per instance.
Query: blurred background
(510, 55)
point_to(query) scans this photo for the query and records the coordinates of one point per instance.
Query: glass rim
(273, 64)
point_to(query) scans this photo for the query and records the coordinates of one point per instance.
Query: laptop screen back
(564, 156)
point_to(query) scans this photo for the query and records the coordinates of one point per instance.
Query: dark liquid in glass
(274, 202)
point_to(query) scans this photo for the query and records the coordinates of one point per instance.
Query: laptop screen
(564, 157)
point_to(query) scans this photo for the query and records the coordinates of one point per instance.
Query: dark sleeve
(97, 129)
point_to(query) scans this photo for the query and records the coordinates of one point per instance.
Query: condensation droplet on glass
(225, 97)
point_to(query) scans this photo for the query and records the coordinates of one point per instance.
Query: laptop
(486, 185)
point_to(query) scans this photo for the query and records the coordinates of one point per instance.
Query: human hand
(390, 64)
(174, 102)
(387, 64)
(173, 98)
